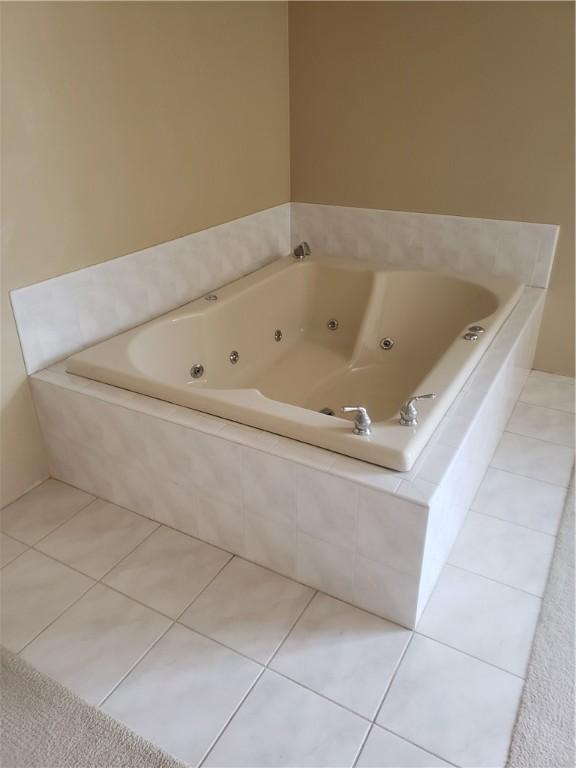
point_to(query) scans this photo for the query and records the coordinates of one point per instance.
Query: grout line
(205, 587)
(489, 578)
(72, 516)
(414, 744)
(393, 678)
(471, 655)
(531, 477)
(135, 664)
(55, 619)
(362, 744)
(134, 548)
(229, 720)
(533, 437)
(511, 522)
(292, 628)
(564, 411)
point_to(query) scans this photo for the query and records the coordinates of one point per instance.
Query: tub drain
(327, 411)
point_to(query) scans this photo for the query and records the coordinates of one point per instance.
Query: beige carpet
(46, 726)
(544, 731)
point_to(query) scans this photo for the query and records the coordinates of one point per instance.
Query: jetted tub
(273, 349)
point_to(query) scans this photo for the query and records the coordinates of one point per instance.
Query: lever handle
(355, 409)
(429, 396)
(362, 421)
(408, 412)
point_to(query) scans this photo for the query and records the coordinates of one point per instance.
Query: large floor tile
(10, 549)
(96, 642)
(344, 653)
(35, 591)
(41, 510)
(97, 537)
(385, 750)
(182, 693)
(508, 553)
(248, 608)
(549, 390)
(488, 620)
(167, 570)
(283, 724)
(544, 423)
(457, 707)
(534, 458)
(520, 500)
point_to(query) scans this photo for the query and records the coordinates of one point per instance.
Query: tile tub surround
(455, 244)
(370, 536)
(73, 311)
(222, 662)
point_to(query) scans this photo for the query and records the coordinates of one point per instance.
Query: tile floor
(224, 663)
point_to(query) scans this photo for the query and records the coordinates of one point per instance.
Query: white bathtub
(292, 362)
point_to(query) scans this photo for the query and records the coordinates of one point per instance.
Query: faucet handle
(408, 412)
(362, 422)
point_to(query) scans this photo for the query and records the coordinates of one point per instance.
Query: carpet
(543, 736)
(44, 725)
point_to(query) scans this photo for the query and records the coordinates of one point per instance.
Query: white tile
(549, 390)
(268, 486)
(457, 707)
(248, 608)
(96, 642)
(385, 591)
(182, 693)
(544, 423)
(343, 653)
(534, 458)
(282, 724)
(271, 543)
(41, 510)
(216, 467)
(155, 497)
(167, 570)
(250, 436)
(520, 500)
(97, 537)
(220, 522)
(10, 549)
(385, 750)
(490, 621)
(455, 244)
(60, 316)
(35, 591)
(366, 474)
(508, 553)
(326, 506)
(325, 566)
(391, 530)
(302, 453)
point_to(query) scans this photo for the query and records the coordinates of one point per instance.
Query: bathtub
(275, 348)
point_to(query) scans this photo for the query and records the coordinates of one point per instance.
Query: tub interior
(307, 341)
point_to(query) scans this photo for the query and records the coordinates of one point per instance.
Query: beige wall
(128, 124)
(125, 125)
(458, 108)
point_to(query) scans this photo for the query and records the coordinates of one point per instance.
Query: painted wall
(128, 124)
(125, 125)
(456, 108)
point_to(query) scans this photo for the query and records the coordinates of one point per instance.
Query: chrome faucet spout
(301, 251)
